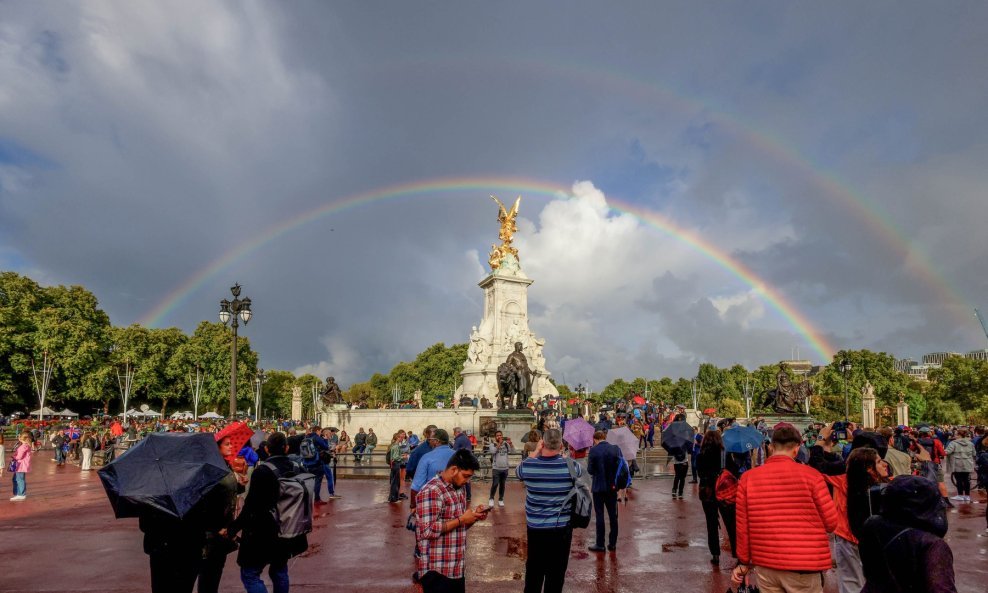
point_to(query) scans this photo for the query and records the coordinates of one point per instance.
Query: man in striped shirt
(547, 484)
(441, 522)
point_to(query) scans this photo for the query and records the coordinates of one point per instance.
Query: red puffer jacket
(784, 513)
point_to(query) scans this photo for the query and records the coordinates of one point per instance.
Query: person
(431, 463)
(902, 547)
(260, 544)
(3, 454)
(694, 453)
(314, 463)
(680, 464)
(710, 463)
(499, 451)
(88, 446)
(789, 549)
(345, 443)
(393, 459)
(59, 443)
(530, 442)
(603, 462)
(328, 459)
(22, 465)
(960, 454)
(442, 519)
(221, 506)
(461, 440)
(899, 463)
(418, 452)
(369, 445)
(934, 447)
(359, 445)
(548, 479)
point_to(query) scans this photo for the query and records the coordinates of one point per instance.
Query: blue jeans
(317, 471)
(20, 483)
(330, 479)
(59, 455)
(250, 576)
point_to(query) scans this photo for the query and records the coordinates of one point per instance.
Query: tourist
(934, 447)
(902, 547)
(369, 445)
(219, 510)
(548, 479)
(60, 443)
(88, 446)
(680, 464)
(417, 453)
(344, 445)
(461, 440)
(603, 463)
(328, 459)
(899, 463)
(260, 544)
(311, 451)
(530, 442)
(393, 460)
(431, 463)
(499, 451)
(960, 454)
(359, 444)
(442, 519)
(3, 454)
(405, 450)
(789, 549)
(694, 453)
(21, 465)
(710, 464)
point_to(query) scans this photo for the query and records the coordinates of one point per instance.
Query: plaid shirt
(438, 503)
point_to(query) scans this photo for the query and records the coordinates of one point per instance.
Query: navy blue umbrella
(676, 436)
(170, 472)
(742, 439)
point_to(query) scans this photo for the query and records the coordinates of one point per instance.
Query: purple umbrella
(625, 440)
(578, 433)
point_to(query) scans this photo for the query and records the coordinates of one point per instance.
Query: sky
(701, 182)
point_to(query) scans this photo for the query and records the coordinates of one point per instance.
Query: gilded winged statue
(508, 227)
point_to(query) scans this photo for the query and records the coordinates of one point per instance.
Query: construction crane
(982, 320)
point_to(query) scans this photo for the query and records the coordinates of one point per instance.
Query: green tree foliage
(962, 382)
(276, 394)
(436, 371)
(210, 346)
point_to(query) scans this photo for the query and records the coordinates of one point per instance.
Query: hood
(915, 502)
(963, 443)
(871, 439)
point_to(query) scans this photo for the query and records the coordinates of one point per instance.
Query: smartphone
(485, 509)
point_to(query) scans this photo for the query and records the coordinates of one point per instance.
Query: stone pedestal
(297, 404)
(868, 412)
(902, 413)
(515, 424)
(504, 322)
(800, 421)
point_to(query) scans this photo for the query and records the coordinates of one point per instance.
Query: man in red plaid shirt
(441, 522)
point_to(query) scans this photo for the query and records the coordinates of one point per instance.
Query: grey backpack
(296, 495)
(580, 497)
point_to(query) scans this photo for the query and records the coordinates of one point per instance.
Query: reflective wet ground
(64, 538)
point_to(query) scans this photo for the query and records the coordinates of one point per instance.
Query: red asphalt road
(64, 538)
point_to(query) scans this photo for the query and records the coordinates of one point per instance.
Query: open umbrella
(710, 411)
(625, 440)
(578, 433)
(742, 439)
(168, 472)
(259, 437)
(239, 434)
(676, 436)
(638, 400)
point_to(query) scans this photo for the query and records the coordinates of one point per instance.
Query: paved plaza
(67, 540)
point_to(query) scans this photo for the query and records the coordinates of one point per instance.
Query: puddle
(517, 547)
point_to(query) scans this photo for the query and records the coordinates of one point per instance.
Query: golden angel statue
(507, 219)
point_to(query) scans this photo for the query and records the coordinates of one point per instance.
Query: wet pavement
(64, 538)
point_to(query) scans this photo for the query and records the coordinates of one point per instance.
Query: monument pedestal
(800, 421)
(513, 424)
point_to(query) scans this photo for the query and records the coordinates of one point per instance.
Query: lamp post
(229, 312)
(258, 384)
(845, 368)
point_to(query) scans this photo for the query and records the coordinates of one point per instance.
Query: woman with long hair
(218, 511)
(865, 470)
(21, 465)
(709, 465)
(87, 445)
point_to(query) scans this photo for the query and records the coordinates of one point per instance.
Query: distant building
(937, 358)
(903, 365)
(978, 354)
(798, 367)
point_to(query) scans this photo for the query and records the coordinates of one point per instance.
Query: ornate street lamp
(229, 312)
(258, 384)
(845, 369)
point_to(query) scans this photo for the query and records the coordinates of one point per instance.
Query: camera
(839, 432)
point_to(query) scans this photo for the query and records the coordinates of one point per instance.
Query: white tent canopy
(151, 413)
(45, 411)
(211, 415)
(66, 412)
(186, 415)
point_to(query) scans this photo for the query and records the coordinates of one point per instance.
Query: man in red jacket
(784, 513)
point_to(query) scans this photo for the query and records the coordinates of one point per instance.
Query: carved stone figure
(477, 350)
(515, 378)
(868, 391)
(332, 394)
(787, 397)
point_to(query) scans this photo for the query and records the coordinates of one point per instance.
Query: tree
(213, 342)
(963, 382)
(20, 300)
(276, 393)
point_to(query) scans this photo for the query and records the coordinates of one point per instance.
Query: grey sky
(140, 141)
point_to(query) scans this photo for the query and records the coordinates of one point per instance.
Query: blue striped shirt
(547, 484)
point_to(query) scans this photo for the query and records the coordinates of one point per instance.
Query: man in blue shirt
(431, 463)
(603, 462)
(419, 451)
(547, 486)
(314, 463)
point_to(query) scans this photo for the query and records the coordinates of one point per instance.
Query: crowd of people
(871, 503)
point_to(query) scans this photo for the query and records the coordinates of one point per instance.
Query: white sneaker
(958, 497)
(490, 502)
(500, 503)
(21, 497)
(967, 498)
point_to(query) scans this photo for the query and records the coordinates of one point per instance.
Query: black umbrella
(170, 472)
(676, 436)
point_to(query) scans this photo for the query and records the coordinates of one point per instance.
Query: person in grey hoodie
(960, 453)
(499, 450)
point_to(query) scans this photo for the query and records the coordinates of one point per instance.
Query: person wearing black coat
(710, 463)
(260, 545)
(603, 462)
(902, 548)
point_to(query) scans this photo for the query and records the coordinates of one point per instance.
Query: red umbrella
(710, 411)
(639, 400)
(573, 402)
(239, 434)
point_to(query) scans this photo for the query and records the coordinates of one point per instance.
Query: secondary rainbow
(795, 318)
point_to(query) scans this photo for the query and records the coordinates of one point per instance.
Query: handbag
(12, 466)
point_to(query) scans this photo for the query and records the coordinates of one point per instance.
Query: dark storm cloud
(139, 142)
